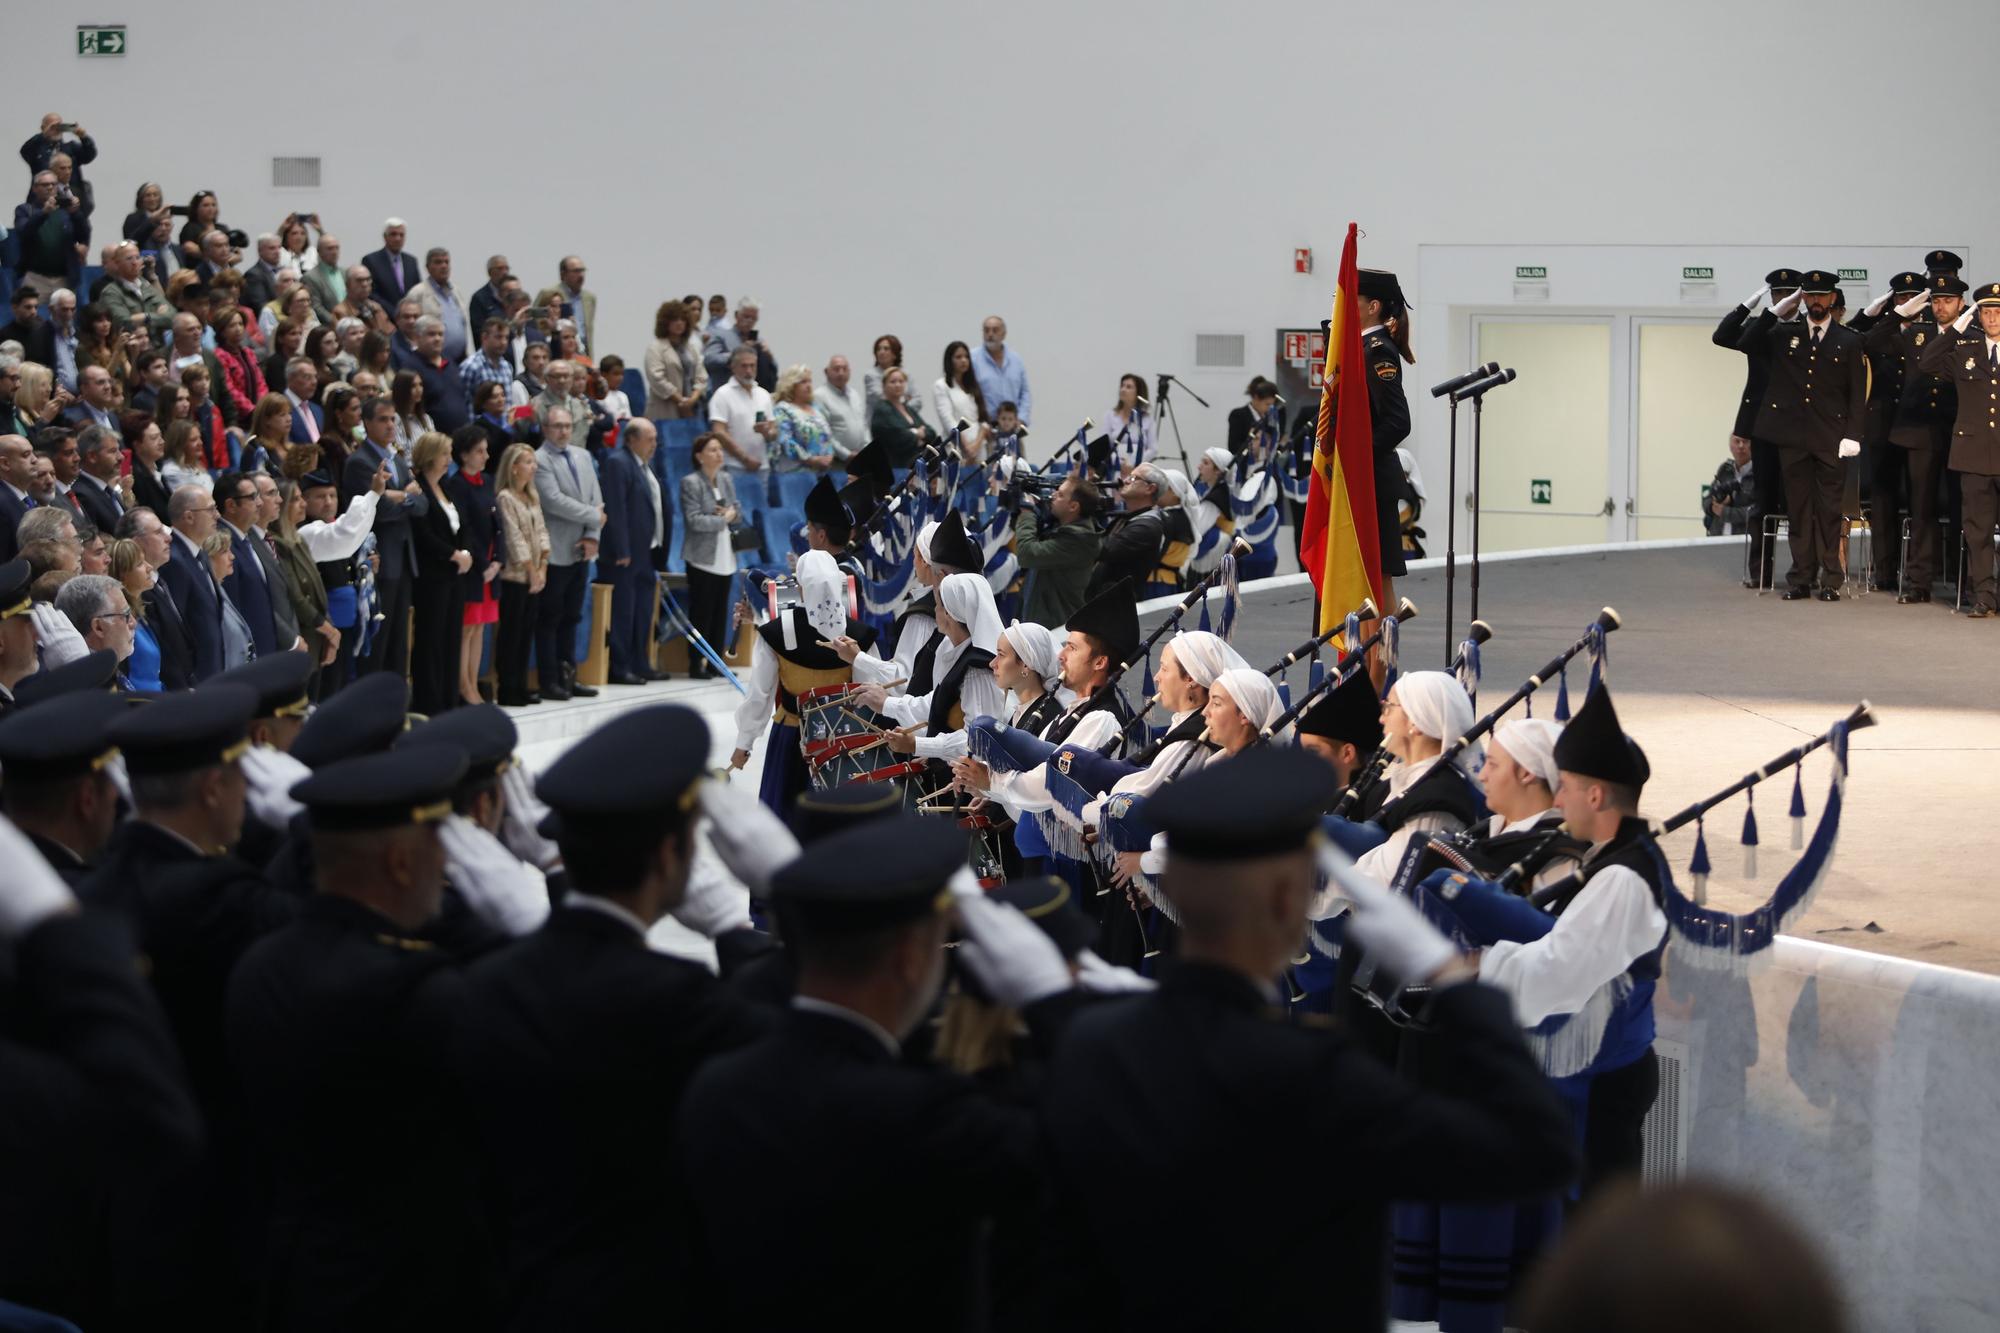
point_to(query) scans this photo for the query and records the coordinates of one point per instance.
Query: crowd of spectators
(364, 459)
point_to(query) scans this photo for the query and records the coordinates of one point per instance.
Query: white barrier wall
(1861, 1092)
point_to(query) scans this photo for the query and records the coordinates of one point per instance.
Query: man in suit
(163, 614)
(582, 304)
(260, 280)
(249, 586)
(27, 328)
(394, 272)
(633, 549)
(17, 461)
(573, 507)
(96, 395)
(95, 489)
(402, 500)
(287, 615)
(308, 417)
(1814, 410)
(57, 445)
(486, 302)
(327, 282)
(189, 579)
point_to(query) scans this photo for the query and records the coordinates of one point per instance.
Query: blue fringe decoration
(1562, 696)
(1230, 599)
(1698, 864)
(1203, 626)
(1392, 639)
(1798, 808)
(1468, 667)
(1316, 672)
(1750, 834)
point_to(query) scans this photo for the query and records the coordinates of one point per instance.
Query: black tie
(1816, 333)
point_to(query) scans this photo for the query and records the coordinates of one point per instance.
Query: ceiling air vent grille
(1219, 350)
(295, 173)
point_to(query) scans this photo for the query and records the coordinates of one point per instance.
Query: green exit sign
(1531, 273)
(100, 41)
(1698, 275)
(1541, 492)
(1854, 275)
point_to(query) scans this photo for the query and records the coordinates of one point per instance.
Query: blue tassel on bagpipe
(1798, 809)
(1392, 635)
(1600, 661)
(1562, 696)
(1698, 864)
(1468, 666)
(1750, 835)
(1350, 635)
(1284, 694)
(1230, 598)
(1203, 626)
(1709, 938)
(1315, 672)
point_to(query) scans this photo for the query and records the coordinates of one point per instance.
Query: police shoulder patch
(1387, 371)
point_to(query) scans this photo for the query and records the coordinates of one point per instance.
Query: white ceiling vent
(295, 173)
(1221, 350)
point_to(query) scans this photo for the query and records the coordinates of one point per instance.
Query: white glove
(1101, 978)
(712, 905)
(751, 840)
(268, 778)
(1756, 298)
(30, 890)
(502, 890)
(1913, 307)
(1387, 925)
(1964, 318)
(524, 811)
(1850, 448)
(1879, 304)
(1788, 307)
(1012, 957)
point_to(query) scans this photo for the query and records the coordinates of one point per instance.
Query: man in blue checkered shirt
(489, 362)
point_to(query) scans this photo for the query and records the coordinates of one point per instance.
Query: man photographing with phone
(49, 141)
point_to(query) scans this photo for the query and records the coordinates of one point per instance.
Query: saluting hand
(1756, 298)
(1878, 305)
(1788, 307)
(1913, 307)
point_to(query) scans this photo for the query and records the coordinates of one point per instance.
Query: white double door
(1611, 432)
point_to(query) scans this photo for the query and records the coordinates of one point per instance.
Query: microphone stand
(1450, 389)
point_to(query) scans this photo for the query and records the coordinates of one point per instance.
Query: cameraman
(1056, 547)
(1732, 495)
(49, 226)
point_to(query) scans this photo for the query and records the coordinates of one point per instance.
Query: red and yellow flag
(1341, 550)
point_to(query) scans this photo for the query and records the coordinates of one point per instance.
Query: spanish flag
(1340, 549)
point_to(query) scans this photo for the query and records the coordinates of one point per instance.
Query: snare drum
(838, 743)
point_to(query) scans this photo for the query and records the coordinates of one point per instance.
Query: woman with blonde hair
(437, 595)
(36, 399)
(524, 569)
(805, 441)
(182, 462)
(128, 565)
(301, 572)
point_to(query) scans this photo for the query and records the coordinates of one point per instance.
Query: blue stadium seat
(776, 525)
(634, 385)
(793, 488)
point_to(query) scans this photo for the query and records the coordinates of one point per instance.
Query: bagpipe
(1465, 666)
(1386, 633)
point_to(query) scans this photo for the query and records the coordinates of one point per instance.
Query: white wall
(1112, 178)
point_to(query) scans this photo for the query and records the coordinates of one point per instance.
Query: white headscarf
(1531, 743)
(924, 535)
(1436, 705)
(1204, 656)
(1222, 458)
(1036, 646)
(1253, 694)
(1178, 483)
(969, 598)
(824, 590)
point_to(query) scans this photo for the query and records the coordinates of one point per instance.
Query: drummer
(794, 652)
(965, 686)
(942, 549)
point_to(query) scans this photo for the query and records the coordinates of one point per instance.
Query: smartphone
(760, 418)
(66, 127)
(179, 211)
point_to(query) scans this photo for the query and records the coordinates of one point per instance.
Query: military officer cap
(187, 730)
(484, 731)
(1267, 800)
(1051, 904)
(1946, 284)
(279, 680)
(1783, 279)
(1987, 295)
(1908, 284)
(1380, 285)
(1350, 712)
(825, 507)
(1112, 618)
(883, 872)
(64, 738)
(627, 777)
(1943, 261)
(15, 576)
(1818, 281)
(821, 814)
(363, 718)
(382, 790)
(951, 547)
(93, 672)
(1594, 745)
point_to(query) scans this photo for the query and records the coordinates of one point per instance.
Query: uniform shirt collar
(806, 1004)
(590, 902)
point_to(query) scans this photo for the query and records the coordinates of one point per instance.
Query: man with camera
(50, 226)
(1134, 540)
(49, 141)
(1056, 540)
(130, 293)
(1732, 495)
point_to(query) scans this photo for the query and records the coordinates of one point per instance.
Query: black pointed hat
(1350, 712)
(950, 546)
(1112, 618)
(825, 507)
(1594, 745)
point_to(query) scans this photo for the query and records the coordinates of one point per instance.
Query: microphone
(1479, 387)
(1457, 382)
(1278, 398)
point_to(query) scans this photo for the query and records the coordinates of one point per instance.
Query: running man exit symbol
(1541, 492)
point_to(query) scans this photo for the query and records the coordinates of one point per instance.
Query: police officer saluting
(1815, 409)
(1779, 284)
(1907, 484)
(1971, 357)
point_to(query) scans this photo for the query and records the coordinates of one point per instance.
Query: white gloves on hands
(268, 778)
(1913, 307)
(751, 840)
(713, 905)
(30, 891)
(524, 811)
(1010, 956)
(1387, 925)
(1788, 307)
(1964, 318)
(1850, 448)
(1879, 304)
(1101, 978)
(501, 889)
(1756, 298)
